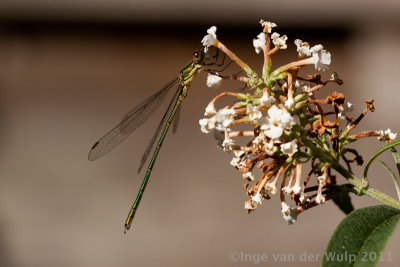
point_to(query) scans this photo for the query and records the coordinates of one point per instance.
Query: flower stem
(360, 185)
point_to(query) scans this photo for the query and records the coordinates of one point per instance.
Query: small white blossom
(269, 147)
(248, 176)
(279, 41)
(259, 140)
(254, 113)
(267, 100)
(278, 120)
(302, 47)
(210, 38)
(257, 199)
(289, 103)
(207, 125)
(271, 187)
(269, 25)
(235, 162)
(322, 178)
(289, 148)
(304, 198)
(204, 125)
(386, 135)
(320, 199)
(348, 107)
(248, 205)
(228, 144)
(287, 120)
(225, 116)
(287, 189)
(259, 43)
(213, 80)
(296, 189)
(210, 110)
(289, 213)
(321, 58)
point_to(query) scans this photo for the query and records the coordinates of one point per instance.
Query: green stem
(360, 185)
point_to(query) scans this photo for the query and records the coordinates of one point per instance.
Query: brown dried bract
(335, 98)
(370, 105)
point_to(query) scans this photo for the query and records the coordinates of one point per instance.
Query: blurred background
(69, 71)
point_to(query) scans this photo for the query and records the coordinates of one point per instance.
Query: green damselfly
(138, 115)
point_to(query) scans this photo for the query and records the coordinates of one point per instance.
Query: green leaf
(377, 153)
(396, 158)
(361, 237)
(343, 201)
(395, 181)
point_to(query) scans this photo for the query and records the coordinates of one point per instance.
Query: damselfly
(137, 116)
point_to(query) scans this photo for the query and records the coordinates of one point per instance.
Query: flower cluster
(284, 125)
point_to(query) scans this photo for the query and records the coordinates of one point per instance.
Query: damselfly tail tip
(126, 226)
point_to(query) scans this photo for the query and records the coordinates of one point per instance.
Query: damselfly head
(198, 56)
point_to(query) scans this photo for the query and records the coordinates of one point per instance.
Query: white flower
(254, 113)
(289, 148)
(278, 120)
(269, 147)
(206, 125)
(289, 103)
(210, 110)
(248, 205)
(320, 199)
(348, 107)
(210, 38)
(203, 125)
(302, 48)
(304, 198)
(287, 120)
(257, 199)
(386, 135)
(322, 178)
(321, 58)
(270, 25)
(228, 144)
(287, 189)
(259, 140)
(235, 162)
(278, 40)
(296, 189)
(271, 187)
(225, 116)
(267, 100)
(289, 213)
(248, 176)
(259, 43)
(213, 80)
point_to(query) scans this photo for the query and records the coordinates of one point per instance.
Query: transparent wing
(176, 120)
(160, 125)
(130, 122)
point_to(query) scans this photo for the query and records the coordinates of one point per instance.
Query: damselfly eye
(198, 56)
